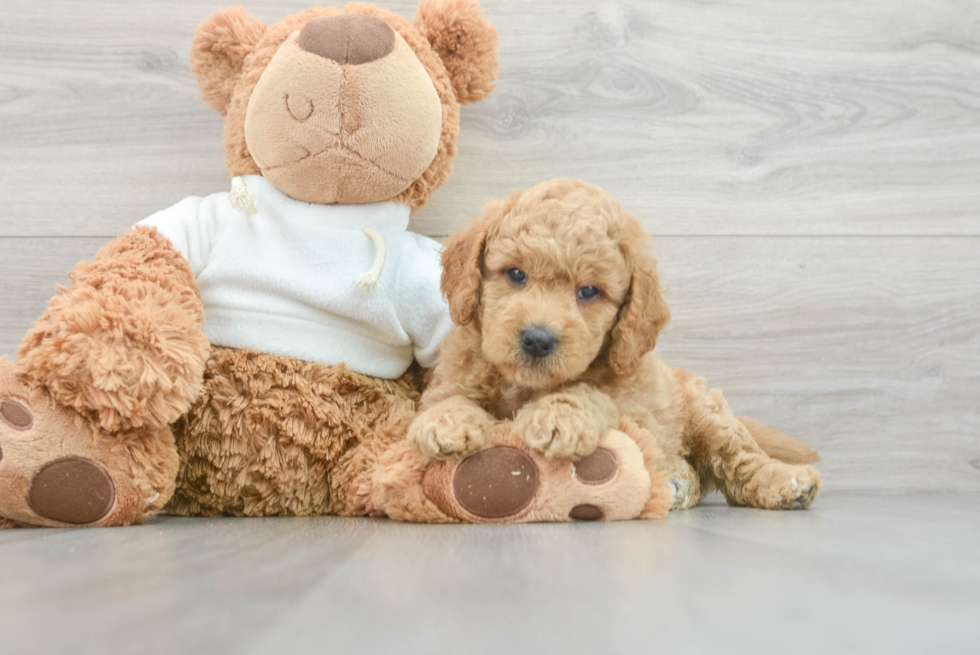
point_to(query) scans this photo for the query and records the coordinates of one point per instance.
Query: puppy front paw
(561, 425)
(450, 429)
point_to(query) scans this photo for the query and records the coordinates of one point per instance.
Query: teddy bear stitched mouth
(335, 144)
(346, 149)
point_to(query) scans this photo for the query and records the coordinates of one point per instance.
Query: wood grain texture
(855, 574)
(30, 270)
(743, 117)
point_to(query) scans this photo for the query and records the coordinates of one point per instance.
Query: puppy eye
(516, 276)
(588, 293)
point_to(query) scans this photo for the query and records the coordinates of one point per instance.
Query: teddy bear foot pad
(511, 483)
(53, 470)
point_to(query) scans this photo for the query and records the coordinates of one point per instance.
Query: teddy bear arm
(123, 343)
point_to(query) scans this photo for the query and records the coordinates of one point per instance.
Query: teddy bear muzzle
(344, 113)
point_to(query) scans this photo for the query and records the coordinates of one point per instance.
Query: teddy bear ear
(465, 41)
(218, 52)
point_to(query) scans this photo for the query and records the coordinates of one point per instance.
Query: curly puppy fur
(232, 49)
(566, 235)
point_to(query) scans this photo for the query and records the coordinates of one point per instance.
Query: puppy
(557, 306)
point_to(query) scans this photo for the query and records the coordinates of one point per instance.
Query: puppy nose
(348, 38)
(538, 341)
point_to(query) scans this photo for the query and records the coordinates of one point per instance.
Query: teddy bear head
(351, 105)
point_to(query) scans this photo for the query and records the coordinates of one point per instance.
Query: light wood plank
(854, 574)
(869, 349)
(866, 348)
(30, 270)
(748, 117)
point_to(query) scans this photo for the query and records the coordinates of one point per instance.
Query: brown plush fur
(383, 475)
(465, 41)
(218, 53)
(269, 435)
(566, 235)
(123, 344)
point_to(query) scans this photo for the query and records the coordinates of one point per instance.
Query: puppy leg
(452, 427)
(722, 447)
(684, 481)
(569, 423)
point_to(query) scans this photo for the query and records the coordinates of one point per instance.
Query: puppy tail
(778, 445)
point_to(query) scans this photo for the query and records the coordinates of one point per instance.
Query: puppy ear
(644, 312)
(462, 271)
(465, 41)
(462, 260)
(218, 52)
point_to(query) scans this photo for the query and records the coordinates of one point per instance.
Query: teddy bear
(223, 353)
(261, 351)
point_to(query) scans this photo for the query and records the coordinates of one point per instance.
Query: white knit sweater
(282, 280)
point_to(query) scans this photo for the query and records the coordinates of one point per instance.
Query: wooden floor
(856, 574)
(811, 173)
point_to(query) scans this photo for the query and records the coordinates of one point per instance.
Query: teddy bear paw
(54, 471)
(510, 483)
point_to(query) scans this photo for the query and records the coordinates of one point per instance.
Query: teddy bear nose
(348, 39)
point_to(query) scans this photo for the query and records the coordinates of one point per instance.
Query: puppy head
(558, 278)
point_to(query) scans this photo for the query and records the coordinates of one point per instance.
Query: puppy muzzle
(538, 342)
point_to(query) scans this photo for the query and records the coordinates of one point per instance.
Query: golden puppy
(558, 307)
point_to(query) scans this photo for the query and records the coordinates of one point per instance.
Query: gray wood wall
(810, 171)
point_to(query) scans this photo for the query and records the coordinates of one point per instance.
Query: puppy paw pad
(597, 468)
(585, 512)
(72, 490)
(16, 415)
(495, 483)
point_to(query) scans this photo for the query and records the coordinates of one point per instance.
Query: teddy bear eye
(516, 275)
(588, 293)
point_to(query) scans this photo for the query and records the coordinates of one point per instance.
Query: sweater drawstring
(241, 197)
(371, 279)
